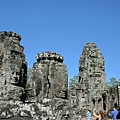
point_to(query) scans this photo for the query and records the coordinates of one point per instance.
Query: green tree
(73, 80)
(112, 84)
(29, 74)
(27, 89)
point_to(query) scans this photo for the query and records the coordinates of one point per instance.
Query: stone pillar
(92, 73)
(50, 76)
(13, 67)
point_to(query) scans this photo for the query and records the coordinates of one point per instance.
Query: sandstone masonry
(49, 96)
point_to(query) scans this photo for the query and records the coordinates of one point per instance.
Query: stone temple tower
(13, 67)
(92, 78)
(49, 76)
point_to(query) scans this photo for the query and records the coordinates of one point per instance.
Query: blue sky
(65, 26)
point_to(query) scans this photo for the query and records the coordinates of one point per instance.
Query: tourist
(114, 113)
(88, 114)
(118, 115)
(99, 115)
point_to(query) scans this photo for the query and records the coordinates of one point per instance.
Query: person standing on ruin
(88, 114)
(99, 115)
(114, 113)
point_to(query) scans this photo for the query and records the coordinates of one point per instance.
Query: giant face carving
(60, 90)
(18, 69)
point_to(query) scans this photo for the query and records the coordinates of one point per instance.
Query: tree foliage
(29, 74)
(27, 89)
(112, 84)
(73, 80)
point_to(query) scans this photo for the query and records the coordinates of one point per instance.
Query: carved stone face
(15, 78)
(60, 90)
(17, 69)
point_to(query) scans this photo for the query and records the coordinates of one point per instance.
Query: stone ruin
(13, 67)
(49, 95)
(92, 79)
(49, 76)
